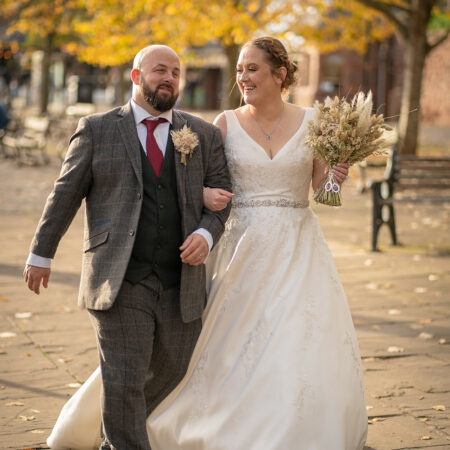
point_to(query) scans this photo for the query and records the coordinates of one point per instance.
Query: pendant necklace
(270, 134)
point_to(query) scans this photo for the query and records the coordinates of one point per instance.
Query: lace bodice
(256, 177)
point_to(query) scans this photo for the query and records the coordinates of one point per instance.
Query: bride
(277, 364)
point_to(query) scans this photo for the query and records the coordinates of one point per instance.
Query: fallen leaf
(421, 397)
(28, 354)
(368, 262)
(2, 388)
(27, 418)
(359, 321)
(64, 360)
(420, 290)
(3, 352)
(378, 419)
(432, 277)
(7, 334)
(394, 312)
(416, 326)
(369, 407)
(37, 431)
(388, 285)
(439, 408)
(425, 419)
(426, 438)
(15, 404)
(425, 320)
(375, 327)
(36, 411)
(424, 335)
(372, 286)
(24, 315)
(442, 341)
(73, 385)
(394, 349)
(3, 299)
(417, 258)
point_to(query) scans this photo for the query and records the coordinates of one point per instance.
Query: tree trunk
(231, 95)
(46, 62)
(123, 83)
(414, 63)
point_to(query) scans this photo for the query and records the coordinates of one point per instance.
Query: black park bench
(418, 179)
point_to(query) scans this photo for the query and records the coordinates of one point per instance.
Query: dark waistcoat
(159, 234)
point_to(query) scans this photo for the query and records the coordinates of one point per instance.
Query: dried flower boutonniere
(185, 141)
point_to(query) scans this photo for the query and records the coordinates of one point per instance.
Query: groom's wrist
(39, 261)
(207, 235)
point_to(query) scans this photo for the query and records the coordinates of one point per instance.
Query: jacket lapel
(180, 169)
(127, 127)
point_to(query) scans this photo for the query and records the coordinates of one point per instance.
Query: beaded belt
(281, 203)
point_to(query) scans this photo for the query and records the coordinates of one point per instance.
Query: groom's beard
(156, 101)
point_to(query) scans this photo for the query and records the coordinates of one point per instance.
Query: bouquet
(343, 132)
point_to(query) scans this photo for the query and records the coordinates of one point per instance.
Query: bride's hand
(216, 199)
(340, 172)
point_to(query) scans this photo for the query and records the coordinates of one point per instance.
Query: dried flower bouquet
(343, 132)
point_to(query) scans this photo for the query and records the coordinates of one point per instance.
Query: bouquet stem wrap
(329, 192)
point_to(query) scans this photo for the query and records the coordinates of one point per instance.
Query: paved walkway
(399, 300)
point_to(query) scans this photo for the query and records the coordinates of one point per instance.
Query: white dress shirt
(161, 134)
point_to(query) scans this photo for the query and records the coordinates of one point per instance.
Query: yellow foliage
(109, 32)
(344, 24)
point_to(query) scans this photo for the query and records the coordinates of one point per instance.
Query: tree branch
(386, 9)
(261, 7)
(381, 5)
(443, 38)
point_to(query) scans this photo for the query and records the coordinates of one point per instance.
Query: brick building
(344, 73)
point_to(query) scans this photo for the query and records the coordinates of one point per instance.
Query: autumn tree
(114, 30)
(412, 20)
(47, 25)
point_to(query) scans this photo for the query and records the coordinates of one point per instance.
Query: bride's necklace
(268, 135)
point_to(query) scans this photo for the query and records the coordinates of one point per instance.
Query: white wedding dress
(277, 365)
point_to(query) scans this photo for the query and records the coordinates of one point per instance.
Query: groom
(146, 237)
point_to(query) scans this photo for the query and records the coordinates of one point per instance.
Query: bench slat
(422, 176)
(414, 159)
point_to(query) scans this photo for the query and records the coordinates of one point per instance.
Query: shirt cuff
(39, 261)
(207, 235)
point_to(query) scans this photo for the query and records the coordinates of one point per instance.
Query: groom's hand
(34, 275)
(194, 250)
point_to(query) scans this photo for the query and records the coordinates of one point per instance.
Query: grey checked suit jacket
(103, 166)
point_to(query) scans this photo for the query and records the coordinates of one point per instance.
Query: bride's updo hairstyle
(276, 56)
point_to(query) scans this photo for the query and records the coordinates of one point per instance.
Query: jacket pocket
(95, 241)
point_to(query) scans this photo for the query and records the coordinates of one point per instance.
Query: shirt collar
(140, 113)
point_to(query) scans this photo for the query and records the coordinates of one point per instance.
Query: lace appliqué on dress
(197, 384)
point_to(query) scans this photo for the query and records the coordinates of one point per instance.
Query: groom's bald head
(153, 51)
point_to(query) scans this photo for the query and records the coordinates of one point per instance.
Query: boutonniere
(185, 141)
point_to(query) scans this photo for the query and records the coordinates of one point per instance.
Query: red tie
(154, 153)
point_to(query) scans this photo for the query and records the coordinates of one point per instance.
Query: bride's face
(254, 76)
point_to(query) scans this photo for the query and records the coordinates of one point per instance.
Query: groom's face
(159, 78)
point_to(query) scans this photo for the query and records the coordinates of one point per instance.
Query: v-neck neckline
(300, 128)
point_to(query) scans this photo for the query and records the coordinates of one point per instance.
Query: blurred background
(63, 59)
